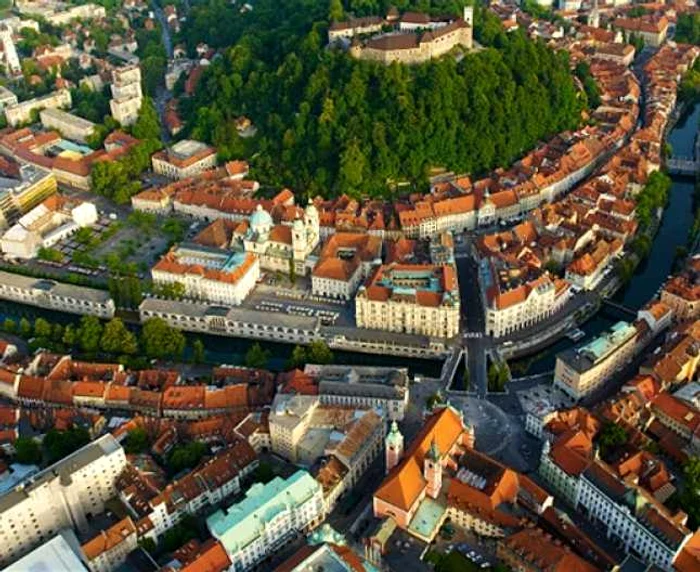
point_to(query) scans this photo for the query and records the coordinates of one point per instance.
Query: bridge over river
(684, 165)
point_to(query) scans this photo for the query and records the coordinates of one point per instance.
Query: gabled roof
(403, 485)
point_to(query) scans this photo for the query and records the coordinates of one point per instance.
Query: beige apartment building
(580, 371)
(69, 125)
(22, 112)
(418, 299)
(65, 495)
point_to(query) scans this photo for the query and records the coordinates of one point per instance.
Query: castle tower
(468, 15)
(393, 447)
(432, 471)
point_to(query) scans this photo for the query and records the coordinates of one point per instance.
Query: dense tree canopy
(329, 124)
(688, 28)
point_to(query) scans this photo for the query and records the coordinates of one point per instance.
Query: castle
(413, 37)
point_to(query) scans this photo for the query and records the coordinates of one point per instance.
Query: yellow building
(418, 299)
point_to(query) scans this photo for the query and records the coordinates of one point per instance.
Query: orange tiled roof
(403, 485)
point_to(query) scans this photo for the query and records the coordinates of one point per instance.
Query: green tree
(27, 451)
(688, 498)
(117, 339)
(42, 328)
(257, 357)
(298, 358)
(57, 333)
(353, 165)
(433, 400)
(185, 456)
(264, 473)
(330, 124)
(60, 444)
(70, 337)
(198, 351)
(688, 28)
(611, 436)
(336, 13)
(89, 334)
(9, 326)
(318, 352)
(25, 328)
(159, 340)
(147, 124)
(180, 534)
(136, 441)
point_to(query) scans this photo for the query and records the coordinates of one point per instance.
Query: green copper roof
(243, 522)
(434, 452)
(394, 437)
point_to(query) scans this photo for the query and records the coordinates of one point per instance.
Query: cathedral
(281, 247)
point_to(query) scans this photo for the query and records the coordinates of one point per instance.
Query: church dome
(260, 221)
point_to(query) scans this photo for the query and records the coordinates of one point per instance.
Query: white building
(268, 517)
(580, 371)
(126, 94)
(512, 305)
(69, 125)
(45, 225)
(12, 65)
(7, 98)
(384, 388)
(22, 112)
(185, 159)
(110, 548)
(56, 295)
(65, 495)
(629, 514)
(209, 274)
(60, 554)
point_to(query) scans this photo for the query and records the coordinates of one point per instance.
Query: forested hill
(329, 124)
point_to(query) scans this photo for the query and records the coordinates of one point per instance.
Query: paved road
(162, 94)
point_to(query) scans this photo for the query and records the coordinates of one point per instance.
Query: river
(652, 272)
(227, 350)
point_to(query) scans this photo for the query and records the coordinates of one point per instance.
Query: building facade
(65, 495)
(581, 370)
(185, 159)
(415, 299)
(269, 517)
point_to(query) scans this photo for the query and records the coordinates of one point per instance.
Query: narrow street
(162, 94)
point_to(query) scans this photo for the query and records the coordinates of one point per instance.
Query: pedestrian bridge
(682, 166)
(620, 310)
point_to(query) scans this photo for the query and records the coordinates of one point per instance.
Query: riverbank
(672, 229)
(232, 350)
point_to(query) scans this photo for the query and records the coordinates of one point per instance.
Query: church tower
(469, 438)
(393, 449)
(432, 471)
(299, 244)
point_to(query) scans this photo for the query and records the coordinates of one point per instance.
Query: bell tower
(393, 447)
(432, 470)
(469, 438)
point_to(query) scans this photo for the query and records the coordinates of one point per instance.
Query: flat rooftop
(583, 358)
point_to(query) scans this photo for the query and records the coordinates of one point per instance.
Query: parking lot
(328, 317)
(265, 299)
